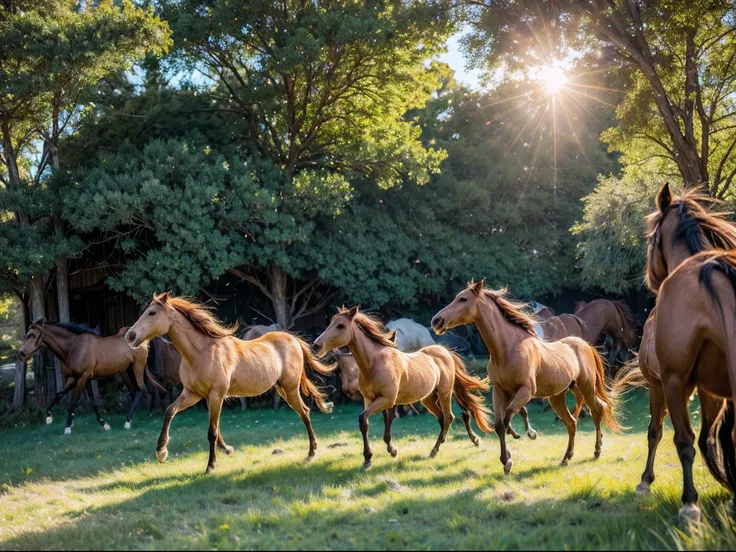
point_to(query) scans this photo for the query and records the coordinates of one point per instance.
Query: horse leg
(658, 411)
(560, 407)
(677, 393)
(500, 404)
(529, 430)
(215, 407)
(445, 403)
(431, 403)
(95, 406)
(379, 404)
(80, 383)
(185, 399)
(388, 417)
(473, 437)
(60, 395)
(294, 399)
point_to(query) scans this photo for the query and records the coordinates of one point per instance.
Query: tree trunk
(277, 280)
(19, 391)
(35, 291)
(62, 297)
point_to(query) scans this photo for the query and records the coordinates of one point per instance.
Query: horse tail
(606, 393)
(629, 377)
(467, 390)
(307, 386)
(725, 440)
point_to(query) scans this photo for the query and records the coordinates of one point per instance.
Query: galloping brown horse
(694, 329)
(522, 366)
(389, 377)
(216, 364)
(86, 356)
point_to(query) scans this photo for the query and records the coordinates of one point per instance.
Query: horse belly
(254, 381)
(417, 385)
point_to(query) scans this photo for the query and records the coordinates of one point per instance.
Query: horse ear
(392, 336)
(164, 297)
(664, 198)
(477, 287)
(352, 312)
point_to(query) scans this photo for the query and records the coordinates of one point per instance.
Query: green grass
(106, 490)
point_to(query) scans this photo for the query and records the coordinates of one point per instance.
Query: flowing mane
(199, 315)
(512, 311)
(697, 226)
(373, 328)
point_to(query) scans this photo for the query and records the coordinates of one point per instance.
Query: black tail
(719, 453)
(152, 364)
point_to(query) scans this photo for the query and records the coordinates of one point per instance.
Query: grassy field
(106, 490)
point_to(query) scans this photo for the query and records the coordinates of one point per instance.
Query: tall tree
(682, 55)
(321, 89)
(67, 46)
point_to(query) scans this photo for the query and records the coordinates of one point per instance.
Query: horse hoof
(642, 489)
(210, 470)
(393, 451)
(229, 450)
(564, 462)
(507, 466)
(532, 434)
(433, 453)
(596, 455)
(476, 442)
(68, 431)
(516, 436)
(162, 455)
(310, 456)
(127, 425)
(106, 427)
(328, 407)
(367, 466)
(49, 420)
(690, 514)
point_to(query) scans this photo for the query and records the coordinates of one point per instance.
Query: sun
(552, 77)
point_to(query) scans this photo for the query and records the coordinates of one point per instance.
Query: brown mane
(512, 311)
(199, 315)
(700, 228)
(371, 327)
(626, 315)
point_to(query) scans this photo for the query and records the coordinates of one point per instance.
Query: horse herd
(687, 343)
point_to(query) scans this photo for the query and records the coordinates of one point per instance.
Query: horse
(164, 361)
(256, 331)
(349, 374)
(522, 366)
(691, 265)
(216, 364)
(86, 356)
(607, 317)
(389, 377)
(410, 336)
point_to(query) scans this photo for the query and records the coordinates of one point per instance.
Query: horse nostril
(436, 322)
(21, 356)
(316, 347)
(130, 337)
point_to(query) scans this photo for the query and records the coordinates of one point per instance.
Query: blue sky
(454, 58)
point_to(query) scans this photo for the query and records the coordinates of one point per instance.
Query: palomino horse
(86, 356)
(523, 366)
(694, 330)
(389, 377)
(410, 336)
(611, 318)
(216, 364)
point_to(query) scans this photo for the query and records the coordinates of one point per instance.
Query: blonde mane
(511, 311)
(371, 327)
(199, 315)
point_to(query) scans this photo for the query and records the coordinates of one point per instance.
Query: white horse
(410, 336)
(254, 332)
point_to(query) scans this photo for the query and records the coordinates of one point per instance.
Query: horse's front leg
(388, 418)
(64, 390)
(213, 433)
(95, 406)
(185, 399)
(80, 383)
(379, 404)
(658, 411)
(500, 405)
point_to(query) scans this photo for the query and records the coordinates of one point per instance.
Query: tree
(66, 47)
(320, 89)
(680, 104)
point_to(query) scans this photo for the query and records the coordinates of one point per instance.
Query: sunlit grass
(94, 489)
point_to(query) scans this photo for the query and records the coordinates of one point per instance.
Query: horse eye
(152, 313)
(462, 300)
(341, 326)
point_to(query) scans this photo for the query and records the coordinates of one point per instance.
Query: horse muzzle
(438, 325)
(20, 355)
(131, 339)
(317, 349)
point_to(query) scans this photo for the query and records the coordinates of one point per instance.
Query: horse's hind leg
(560, 407)
(75, 399)
(658, 411)
(186, 399)
(388, 417)
(431, 403)
(529, 429)
(445, 403)
(473, 437)
(136, 393)
(95, 406)
(294, 399)
(213, 432)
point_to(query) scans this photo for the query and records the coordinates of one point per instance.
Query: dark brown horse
(606, 317)
(86, 356)
(695, 330)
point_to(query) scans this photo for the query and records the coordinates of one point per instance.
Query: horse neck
(363, 348)
(58, 340)
(596, 317)
(500, 336)
(187, 339)
(675, 253)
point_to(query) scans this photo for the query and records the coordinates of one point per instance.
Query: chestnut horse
(389, 377)
(611, 318)
(216, 364)
(694, 330)
(85, 356)
(522, 366)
